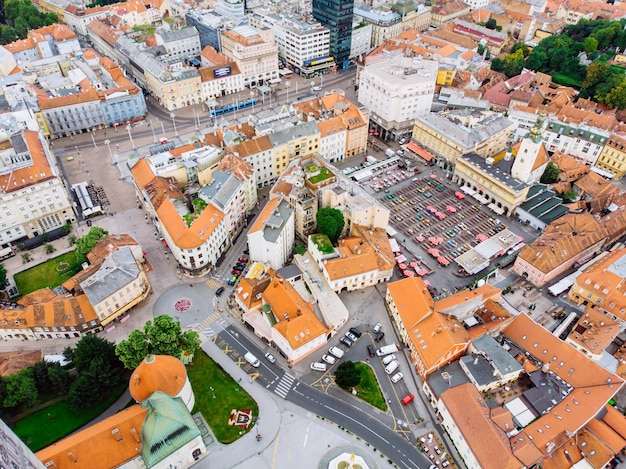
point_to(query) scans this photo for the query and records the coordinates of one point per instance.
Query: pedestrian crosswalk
(205, 326)
(213, 283)
(284, 385)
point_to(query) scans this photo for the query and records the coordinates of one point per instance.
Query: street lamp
(287, 85)
(130, 136)
(251, 98)
(195, 119)
(152, 127)
(174, 122)
(93, 131)
(107, 142)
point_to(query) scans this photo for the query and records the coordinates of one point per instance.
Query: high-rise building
(336, 15)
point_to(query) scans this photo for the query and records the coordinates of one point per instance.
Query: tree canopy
(560, 57)
(98, 369)
(550, 174)
(163, 336)
(330, 222)
(346, 375)
(21, 16)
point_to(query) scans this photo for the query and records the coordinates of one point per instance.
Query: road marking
(284, 385)
(254, 375)
(356, 421)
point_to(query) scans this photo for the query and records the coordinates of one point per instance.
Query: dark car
(379, 336)
(239, 267)
(246, 251)
(345, 341)
(356, 332)
(219, 291)
(371, 351)
(231, 281)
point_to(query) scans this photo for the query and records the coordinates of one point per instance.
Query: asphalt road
(355, 418)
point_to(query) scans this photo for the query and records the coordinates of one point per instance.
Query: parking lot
(442, 222)
(434, 450)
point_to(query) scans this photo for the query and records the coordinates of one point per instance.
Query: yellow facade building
(612, 158)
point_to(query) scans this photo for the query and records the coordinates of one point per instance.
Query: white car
(270, 358)
(393, 366)
(329, 359)
(351, 336)
(388, 359)
(317, 366)
(377, 328)
(397, 377)
(336, 351)
(317, 88)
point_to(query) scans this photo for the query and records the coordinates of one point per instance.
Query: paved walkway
(290, 435)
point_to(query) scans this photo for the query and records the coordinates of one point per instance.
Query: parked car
(397, 377)
(388, 359)
(317, 366)
(235, 271)
(345, 341)
(246, 252)
(406, 400)
(371, 351)
(329, 359)
(357, 333)
(270, 358)
(231, 281)
(377, 328)
(379, 336)
(336, 351)
(243, 259)
(351, 336)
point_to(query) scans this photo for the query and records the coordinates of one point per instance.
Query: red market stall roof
(419, 151)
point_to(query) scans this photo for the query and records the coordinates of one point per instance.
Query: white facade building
(227, 193)
(34, 199)
(361, 42)
(398, 91)
(271, 237)
(579, 140)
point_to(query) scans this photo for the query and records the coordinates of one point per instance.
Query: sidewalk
(269, 417)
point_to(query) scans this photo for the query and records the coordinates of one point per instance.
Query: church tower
(531, 157)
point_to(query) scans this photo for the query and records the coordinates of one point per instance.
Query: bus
(6, 253)
(516, 248)
(219, 111)
(285, 73)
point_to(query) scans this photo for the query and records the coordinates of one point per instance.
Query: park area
(50, 423)
(217, 394)
(49, 274)
(368, 389)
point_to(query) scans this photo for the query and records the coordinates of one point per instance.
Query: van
(388, 359)
(336, 351)
(393, 366)
(254, 361)
(317, 366)
(386, 350)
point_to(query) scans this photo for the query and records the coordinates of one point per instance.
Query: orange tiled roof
(297, 321)
(108, 452)
(39, 171)
(489, 444)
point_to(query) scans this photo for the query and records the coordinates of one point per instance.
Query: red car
(243, 259)
(406, 400)
(235, 272)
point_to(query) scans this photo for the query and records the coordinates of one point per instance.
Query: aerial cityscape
(327, 233)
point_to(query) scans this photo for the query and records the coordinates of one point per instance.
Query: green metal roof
(168, 427)
(542, 203)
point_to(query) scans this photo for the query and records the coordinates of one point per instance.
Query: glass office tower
(336, 15)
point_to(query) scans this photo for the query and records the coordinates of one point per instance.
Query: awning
(274, 81)
(468, 190)
(496, 209)
(419, 151)
(480, 198)
(602, 172)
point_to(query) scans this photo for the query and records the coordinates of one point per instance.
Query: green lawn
(325, 173)
(204, 373)
(368, 388)
(44, 427)
(566, 80)
(49, 274)
(323, 243)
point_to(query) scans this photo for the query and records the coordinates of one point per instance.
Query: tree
(568, 196)
(40, 374)
(550, 174)
(330, 222)
(21, 391)
(616, 97)
(3, 277)
(26, 258)
(491, 23)
(95, 358)
(590, 45)
(299, 249)
(86, 243)
(49, 248)
(80, 395)
(71, 239)
(59, 378)
(347, 376)
(497, 64)
(163, 336)
(521, 46)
